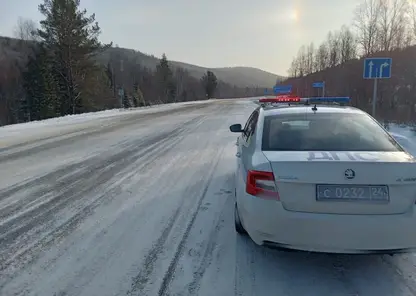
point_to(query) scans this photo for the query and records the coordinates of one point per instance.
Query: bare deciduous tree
(366, 21)
(26, 29)
(302, 61)
(413, 18)
(348, 45)
(322, 57)
(334, 48)
(310, 58)
(392, 24)
(293, 69)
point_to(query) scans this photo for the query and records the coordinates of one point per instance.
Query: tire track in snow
(88, 272)
(99, 161)
(402, 272)
(245, 277)
(169, 274)
(79, 185)
(38, 145)
(295, 273)
(206, 265)
(139, 282)
(142, 278)
(194, 286)
(25, 248)
(70, 182)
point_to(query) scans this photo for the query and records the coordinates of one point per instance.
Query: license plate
(377, 193)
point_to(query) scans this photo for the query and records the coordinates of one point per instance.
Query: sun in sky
(294, 15)
(288, 16)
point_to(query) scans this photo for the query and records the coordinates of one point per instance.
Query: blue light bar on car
(313, 100)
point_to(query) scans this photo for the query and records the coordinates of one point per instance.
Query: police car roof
(296, 109)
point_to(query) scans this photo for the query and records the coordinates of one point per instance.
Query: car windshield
(325, 132)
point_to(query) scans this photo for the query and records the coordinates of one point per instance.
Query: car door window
(251, 126)
(247, 125)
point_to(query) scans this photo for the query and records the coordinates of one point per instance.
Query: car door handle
(238, 154)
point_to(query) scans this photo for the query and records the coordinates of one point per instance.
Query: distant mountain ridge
(239, 76)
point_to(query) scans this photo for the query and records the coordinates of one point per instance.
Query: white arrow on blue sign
(379, 68)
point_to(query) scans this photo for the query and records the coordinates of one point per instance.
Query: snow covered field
(141, 203)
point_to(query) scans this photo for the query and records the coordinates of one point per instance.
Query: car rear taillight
(262, 185)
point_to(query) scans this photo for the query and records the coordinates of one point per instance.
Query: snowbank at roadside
(80, 118)
(34, 130)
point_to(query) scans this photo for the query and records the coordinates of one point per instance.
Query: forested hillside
(59, 67)
(380, 29)
(239, 76)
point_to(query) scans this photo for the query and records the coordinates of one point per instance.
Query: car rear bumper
(268, 223)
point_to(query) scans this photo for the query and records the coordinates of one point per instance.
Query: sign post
(374, 101)
(377, 68)
(320, 85)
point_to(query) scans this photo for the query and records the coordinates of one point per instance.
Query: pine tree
(34, 87)
(71, 38)
(125, 101)
(166, 81)
(110, 75)
(41, 100)
(138, 95)
(209, 82)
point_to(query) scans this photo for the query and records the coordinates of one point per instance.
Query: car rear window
(325, 132)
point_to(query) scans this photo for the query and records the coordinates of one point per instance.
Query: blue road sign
(285, 89)
(318, 84)
(379, 68)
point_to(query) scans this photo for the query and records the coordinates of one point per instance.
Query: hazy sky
(211, 33)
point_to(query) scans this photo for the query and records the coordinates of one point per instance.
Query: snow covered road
(142, 204)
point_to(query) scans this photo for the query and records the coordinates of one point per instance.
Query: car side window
(247, 123)
(251, 126)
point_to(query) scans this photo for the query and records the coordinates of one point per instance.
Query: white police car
(323, 178)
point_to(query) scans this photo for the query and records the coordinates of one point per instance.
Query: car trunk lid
(344, 182)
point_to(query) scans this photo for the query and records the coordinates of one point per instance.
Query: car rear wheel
(237, 222)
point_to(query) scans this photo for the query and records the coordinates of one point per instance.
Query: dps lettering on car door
(341, 155)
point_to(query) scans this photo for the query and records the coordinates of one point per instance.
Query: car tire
(237, 222)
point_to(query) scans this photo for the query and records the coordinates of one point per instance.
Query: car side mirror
(236, 128)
